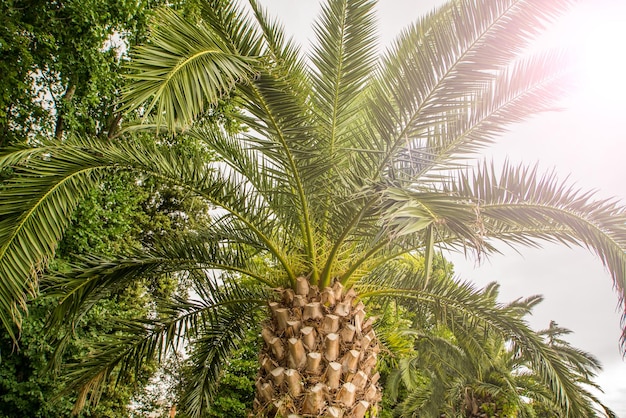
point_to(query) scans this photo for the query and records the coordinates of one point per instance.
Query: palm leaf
(219, 321)
(516, 206)
(438, 66)
(519, 205)
(209, 353)
(36, 204)
(95, 278)
(462, 308)
(526, 87)
(342, 61)
(185, 69)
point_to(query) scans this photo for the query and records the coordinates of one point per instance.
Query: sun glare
(597, 32)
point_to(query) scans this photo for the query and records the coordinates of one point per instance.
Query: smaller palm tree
(476, 372)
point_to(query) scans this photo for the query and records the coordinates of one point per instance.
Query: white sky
(584, 142)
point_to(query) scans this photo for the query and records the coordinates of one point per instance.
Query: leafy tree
(348, 164)
(27, 386)
(103, 224)
(62, 64)
(59, 67)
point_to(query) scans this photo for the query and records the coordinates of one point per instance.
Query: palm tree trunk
(319, 356)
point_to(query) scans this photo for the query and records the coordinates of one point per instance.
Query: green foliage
(62, 64)
(25, 387)
(111, 221)
(108, 221)
(235, 392)
(29, 389)
(350, 165)
(120, 215)
(59, 69)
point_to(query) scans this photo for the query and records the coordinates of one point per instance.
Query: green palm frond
(277, 97)
(262, 176)
(343, 59)
(280, 50)
(525, 305)
(209, 353)
(216, 323)
(462, 308)
(409, 212)
(215, 338)
(183, 71)
(94, 278)
(36, 204)
(426, 401)
(583, 364)
(276, 101)
(233, 26)
(521, 206)
(517, 205)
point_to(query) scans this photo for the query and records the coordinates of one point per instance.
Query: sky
(584, 142)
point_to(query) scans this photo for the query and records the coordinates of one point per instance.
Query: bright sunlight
(597, 31)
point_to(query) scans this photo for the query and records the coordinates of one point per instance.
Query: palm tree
(449, 374)
(348, 163)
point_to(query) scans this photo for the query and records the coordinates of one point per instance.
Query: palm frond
(209, 353)
(252, 168)
(526, 87)
(584, 364)
(342, 60)
(408, 212)
(520, 206)
(183, 71)
(516, 206)
(94, 278)
(36, 204)
(438, 66)
(217, 321)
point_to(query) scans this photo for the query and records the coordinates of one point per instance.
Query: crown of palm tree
(348, 162)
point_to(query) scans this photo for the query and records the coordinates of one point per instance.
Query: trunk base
(319, 356)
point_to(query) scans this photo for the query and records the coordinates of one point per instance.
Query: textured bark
(319, 356)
